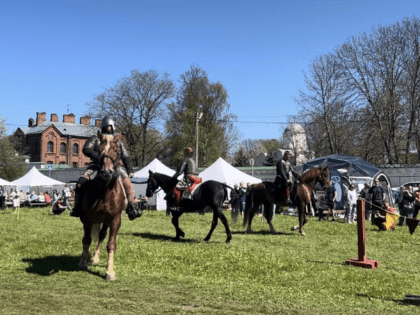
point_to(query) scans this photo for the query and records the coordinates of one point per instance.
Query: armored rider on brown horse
(286, 178)
(92, 149)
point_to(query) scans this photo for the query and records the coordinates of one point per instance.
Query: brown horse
(267, 194)
(103, 204)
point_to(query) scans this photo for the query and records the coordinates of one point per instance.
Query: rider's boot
(288, 201)
(78, 198)
(133, 211)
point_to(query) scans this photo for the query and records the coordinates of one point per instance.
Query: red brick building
(54, 142)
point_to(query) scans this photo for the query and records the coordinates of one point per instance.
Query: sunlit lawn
(257, 273)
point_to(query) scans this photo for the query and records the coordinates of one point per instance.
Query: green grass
(257, 273)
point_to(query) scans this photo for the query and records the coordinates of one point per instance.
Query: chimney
(40, 118)
(31, 122)
(54, 117)
(98, 122)
(85, 120)
(69, 118)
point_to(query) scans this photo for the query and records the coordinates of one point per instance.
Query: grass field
(257, 273)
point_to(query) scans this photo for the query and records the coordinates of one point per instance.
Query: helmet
(188, 150)
(107, 121)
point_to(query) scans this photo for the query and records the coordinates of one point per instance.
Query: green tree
(198, 95)
(240, 158)
(12, 165)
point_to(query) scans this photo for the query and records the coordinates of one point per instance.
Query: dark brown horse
(267, 194)
(103, 204)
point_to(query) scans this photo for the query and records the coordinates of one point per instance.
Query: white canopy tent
(35, 179)
(225, 173)
(4, 182)
(155, 166)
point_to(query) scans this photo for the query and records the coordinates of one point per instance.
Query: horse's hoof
(303, 233)
(182, 234)
(294, 228)
(206, 239)
(110, 277)
(95, 261)
(82, 267)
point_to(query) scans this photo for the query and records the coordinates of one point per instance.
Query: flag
(412, 224)
(390, 220)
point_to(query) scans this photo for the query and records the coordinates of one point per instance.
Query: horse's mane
(309, 174)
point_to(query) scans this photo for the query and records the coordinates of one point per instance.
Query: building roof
(65, 129)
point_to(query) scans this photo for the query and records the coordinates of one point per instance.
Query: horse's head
(152, 185)
(110, 153)
(324, 176)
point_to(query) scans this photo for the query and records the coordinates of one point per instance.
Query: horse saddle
(189, 193)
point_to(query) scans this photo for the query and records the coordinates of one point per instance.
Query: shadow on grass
(400, 302)
(262, 232)
(49, 265)
(161, 237)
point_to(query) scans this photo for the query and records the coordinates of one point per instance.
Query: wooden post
(361, 241)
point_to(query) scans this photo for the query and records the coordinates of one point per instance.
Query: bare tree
(137, 104)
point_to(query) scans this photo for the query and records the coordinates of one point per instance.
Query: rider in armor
(190, 179)
(92, 149)
(285, 176)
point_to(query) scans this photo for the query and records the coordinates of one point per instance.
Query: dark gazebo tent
(349, 168)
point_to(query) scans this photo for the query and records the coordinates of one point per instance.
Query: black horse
(267, 194)
(210, 194)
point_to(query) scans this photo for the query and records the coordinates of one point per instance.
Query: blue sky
(56, 55)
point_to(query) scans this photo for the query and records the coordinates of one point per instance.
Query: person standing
(352, 199)
(2, 198)
(378, 196)
(234, 202)
(416, 202)
(364, 194)
(242, 198)
(331, 196)
(407, 209)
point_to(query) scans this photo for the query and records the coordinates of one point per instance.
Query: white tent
(225, 173)
(155, 166)
(35, 178)
(4, 182)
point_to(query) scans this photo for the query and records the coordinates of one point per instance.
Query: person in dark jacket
(407, 208)
(92, 149)
(378, 197)
(234, 202)
(364, 194)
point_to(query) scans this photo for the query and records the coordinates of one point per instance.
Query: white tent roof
(223, 172)
(159, 167)
(4, 182)
(154, 166)
(35, 178)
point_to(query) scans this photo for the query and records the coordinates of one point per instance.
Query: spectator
(234, 202)
(58, 207)
(242, 198)
(407, 209)
(33, 197)
(364, 194)
(380, 220)
(352, 199)
(47, 197)
(66, 195)
(331, 196)
(416, 202)
(2, 198)
(55, 196)
(16, 202)
(378, 196)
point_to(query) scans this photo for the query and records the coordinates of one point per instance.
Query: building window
(62, 148)
(74, 164)
(49, 162)
(75, 148)
(50, 147)
(62, 163)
